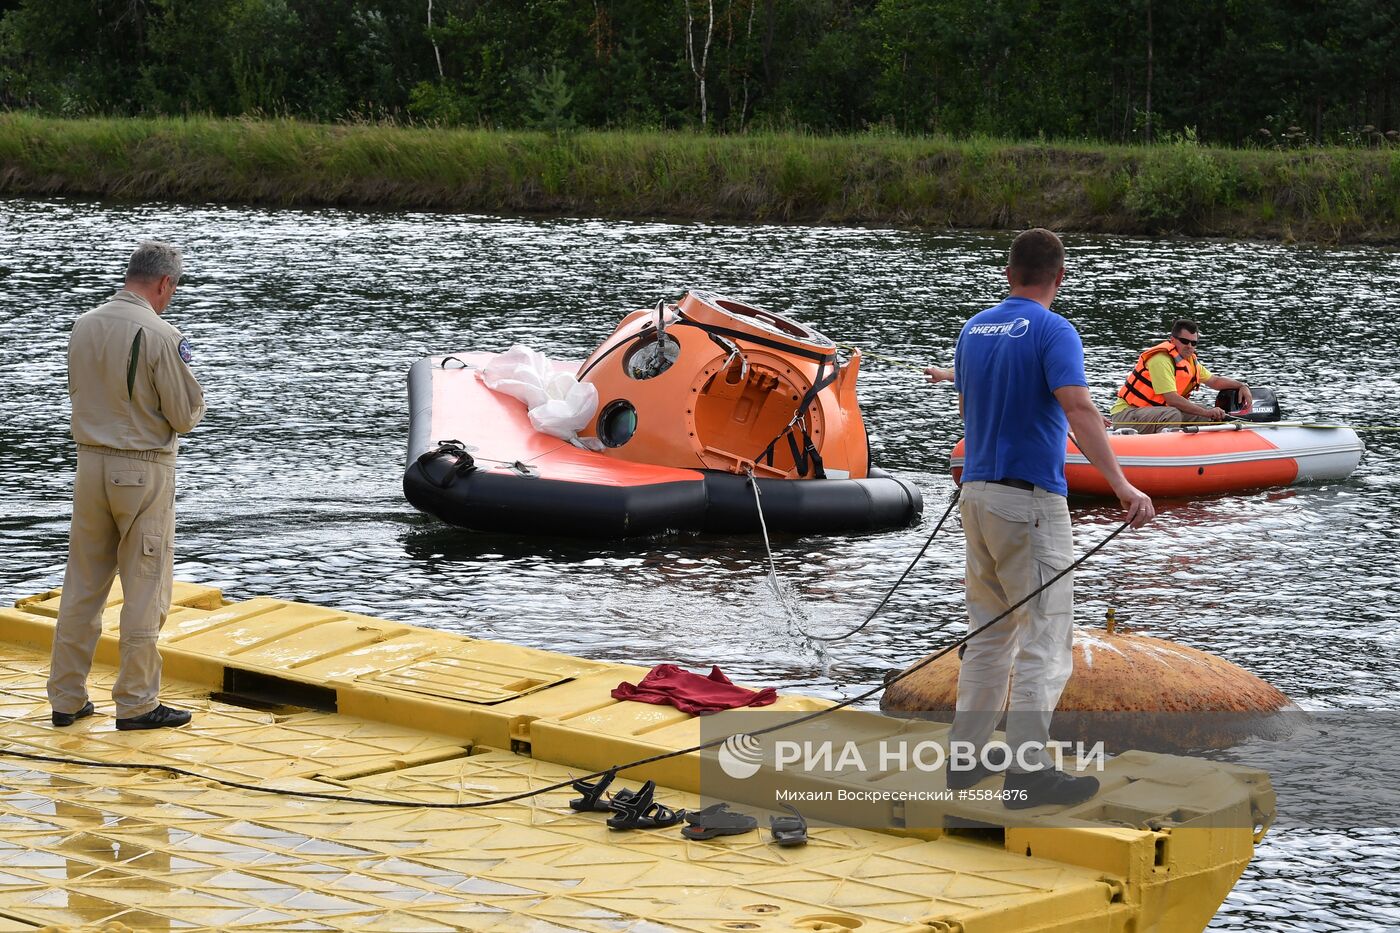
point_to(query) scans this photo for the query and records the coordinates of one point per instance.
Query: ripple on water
(304, 324)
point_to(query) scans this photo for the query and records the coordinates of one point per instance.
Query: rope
(917, 557)
(278, 791)
(908, 364)
(1248, 425)
(777, 590)
(561, 785)
(768, 549)
(1243, 425)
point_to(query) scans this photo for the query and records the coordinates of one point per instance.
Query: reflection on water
(304, 325)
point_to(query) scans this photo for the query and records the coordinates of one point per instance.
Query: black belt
(1013, 483)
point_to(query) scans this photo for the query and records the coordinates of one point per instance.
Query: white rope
(768, 549)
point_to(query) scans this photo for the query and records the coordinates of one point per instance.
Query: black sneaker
(1038, 788)
(67, 719)
(159, 718)
(961, 779)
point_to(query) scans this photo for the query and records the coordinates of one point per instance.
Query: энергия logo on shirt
(1016, 328)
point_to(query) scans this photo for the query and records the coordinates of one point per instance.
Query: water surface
(304, 325)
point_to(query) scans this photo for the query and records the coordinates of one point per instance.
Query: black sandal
(637, 810)
(592, 793)
(717, 820)
(788, 830)
(592, 800)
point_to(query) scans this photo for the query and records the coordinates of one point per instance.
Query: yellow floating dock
(309, 698)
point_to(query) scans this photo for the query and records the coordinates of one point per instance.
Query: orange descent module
(719, 385)
(695, 401)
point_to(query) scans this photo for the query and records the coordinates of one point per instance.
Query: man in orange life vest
(1157, 393)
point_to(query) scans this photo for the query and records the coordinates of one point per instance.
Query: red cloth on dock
(667, 684)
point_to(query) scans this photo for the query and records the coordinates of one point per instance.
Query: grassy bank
(1321, 195)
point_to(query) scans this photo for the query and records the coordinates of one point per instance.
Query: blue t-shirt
(1009, 361)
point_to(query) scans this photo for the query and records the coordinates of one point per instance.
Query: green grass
(1323, 195)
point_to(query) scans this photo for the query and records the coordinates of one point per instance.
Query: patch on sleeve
(185, 353)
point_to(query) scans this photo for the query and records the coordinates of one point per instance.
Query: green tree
(1017, 68)
(550, 98)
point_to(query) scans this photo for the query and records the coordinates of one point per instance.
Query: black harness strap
(612, 349)
(770, 342)
(805, 456)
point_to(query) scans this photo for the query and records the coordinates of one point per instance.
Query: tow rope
(907, 364)
(777, 586)
(1242, 424)
(9, 752)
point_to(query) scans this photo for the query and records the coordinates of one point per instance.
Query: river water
(304, 325)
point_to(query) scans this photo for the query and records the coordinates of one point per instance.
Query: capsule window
(617, 423)
(651, 356)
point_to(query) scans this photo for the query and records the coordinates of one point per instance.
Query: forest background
(1272, 116)
(1234, 71)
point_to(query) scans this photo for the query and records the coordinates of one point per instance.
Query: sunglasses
(1189, 343)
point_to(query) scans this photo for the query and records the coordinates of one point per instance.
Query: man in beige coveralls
(133, 395)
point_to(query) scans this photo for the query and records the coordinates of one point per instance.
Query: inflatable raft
(1214, 459)
(695, 402)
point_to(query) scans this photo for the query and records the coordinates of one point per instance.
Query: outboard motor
(1264, 407)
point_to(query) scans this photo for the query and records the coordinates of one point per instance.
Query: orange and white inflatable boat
(1215, 458)
(693, 399)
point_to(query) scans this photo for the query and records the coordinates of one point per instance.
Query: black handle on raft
(463, 462)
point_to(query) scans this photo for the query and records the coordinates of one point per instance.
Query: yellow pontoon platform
(309, 698)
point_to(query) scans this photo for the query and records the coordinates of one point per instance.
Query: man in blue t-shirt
(1019, 373)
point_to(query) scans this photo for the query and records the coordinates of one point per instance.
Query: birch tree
(698, 66)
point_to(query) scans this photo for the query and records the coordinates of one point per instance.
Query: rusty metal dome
(1130, 691)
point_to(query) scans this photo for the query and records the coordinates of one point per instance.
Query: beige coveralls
(133, 395)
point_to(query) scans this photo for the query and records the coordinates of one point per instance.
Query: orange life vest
(1137, 390)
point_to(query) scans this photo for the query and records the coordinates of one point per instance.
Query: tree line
(1232, 72)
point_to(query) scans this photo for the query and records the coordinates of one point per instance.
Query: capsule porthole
(651, 356)
(617, 423)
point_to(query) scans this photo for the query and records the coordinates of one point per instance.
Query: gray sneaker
(67, 719)
(962, 779)
(161, 717)
(1039, 788)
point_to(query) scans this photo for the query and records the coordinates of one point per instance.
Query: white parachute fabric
(559, 404)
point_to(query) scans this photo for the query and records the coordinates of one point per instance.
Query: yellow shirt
(1162, 369)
